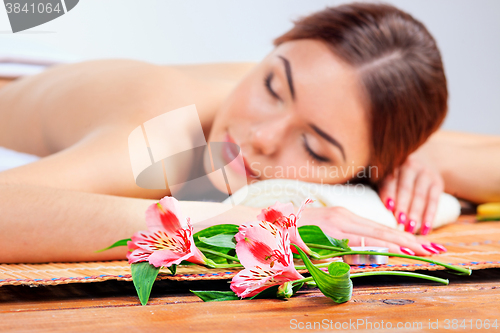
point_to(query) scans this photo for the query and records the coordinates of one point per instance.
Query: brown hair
(400, 69)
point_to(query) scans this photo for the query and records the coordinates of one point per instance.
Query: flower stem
(217, 253)
(227, 265)
(326, 247)
(416, 275)
(307, 279)
(410, 274)
(463, 271)
(325, 264)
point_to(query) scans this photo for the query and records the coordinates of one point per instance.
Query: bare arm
(41, 224)
(469, 164)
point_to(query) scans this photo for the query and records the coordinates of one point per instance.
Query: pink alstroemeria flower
(264, 251)
(168, 240)
(282, 215)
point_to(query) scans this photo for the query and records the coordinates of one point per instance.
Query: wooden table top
(377, 302)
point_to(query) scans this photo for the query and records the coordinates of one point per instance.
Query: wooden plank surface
(113, 306)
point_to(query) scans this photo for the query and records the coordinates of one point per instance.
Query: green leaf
(215, 296)
(314, 235)
(227, 229)
(340, 243)
(217, 230)
(270, 292)
(337, 285)
(144, 275)
(297, 287)
(122, 242)
(206, 252)
(221, 240)
(172, 269)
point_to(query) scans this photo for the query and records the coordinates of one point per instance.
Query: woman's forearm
(39, 224)
(469, 164)
(206, 214)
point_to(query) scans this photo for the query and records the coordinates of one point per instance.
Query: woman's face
(300, 114)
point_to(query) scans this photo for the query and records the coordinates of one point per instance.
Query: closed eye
(312, 153)
(267, 83)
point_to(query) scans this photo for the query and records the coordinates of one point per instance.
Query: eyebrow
(288, 71)
(329, 139)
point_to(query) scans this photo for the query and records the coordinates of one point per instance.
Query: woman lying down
(358, 85)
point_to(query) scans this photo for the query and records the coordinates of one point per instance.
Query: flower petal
(159, 240)
(301, 208)
(277, 213)
(263, 244)
(136, 254)
(197, 257)
(166, 215)
(167, 258)
(251, 281)
(169, 238)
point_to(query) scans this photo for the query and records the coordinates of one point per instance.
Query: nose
(267, 137)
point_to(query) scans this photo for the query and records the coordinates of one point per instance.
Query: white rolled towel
(11, 159)
(359, 199)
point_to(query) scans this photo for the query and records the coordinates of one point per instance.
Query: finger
(418, 202)
(412, 248)
(387, 191)
(360, 226)
(407, 243)
(406, 182)
(430, 211)
(344, 222)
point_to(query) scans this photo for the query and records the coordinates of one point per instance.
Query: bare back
(78, 117)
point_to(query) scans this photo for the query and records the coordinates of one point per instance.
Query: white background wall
(192, 31)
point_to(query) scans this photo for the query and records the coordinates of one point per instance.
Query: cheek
(248, 102)
(237, 113)
(360, 149)
(294, 165)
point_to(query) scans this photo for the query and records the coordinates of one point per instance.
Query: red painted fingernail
(410, 226)
(430, 249)
(426, 228)
(402, 218)
(407, 251)
(390, 205)
(439, 247)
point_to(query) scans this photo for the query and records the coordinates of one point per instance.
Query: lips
(231, 152)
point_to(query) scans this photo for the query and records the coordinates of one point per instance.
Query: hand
(340, 223)
(412, 193)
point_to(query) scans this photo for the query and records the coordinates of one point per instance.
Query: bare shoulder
(79, 116)
(229, 71)
(110, 90)
(67, 102)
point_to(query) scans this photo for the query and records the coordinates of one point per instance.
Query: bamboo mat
(469, 243)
